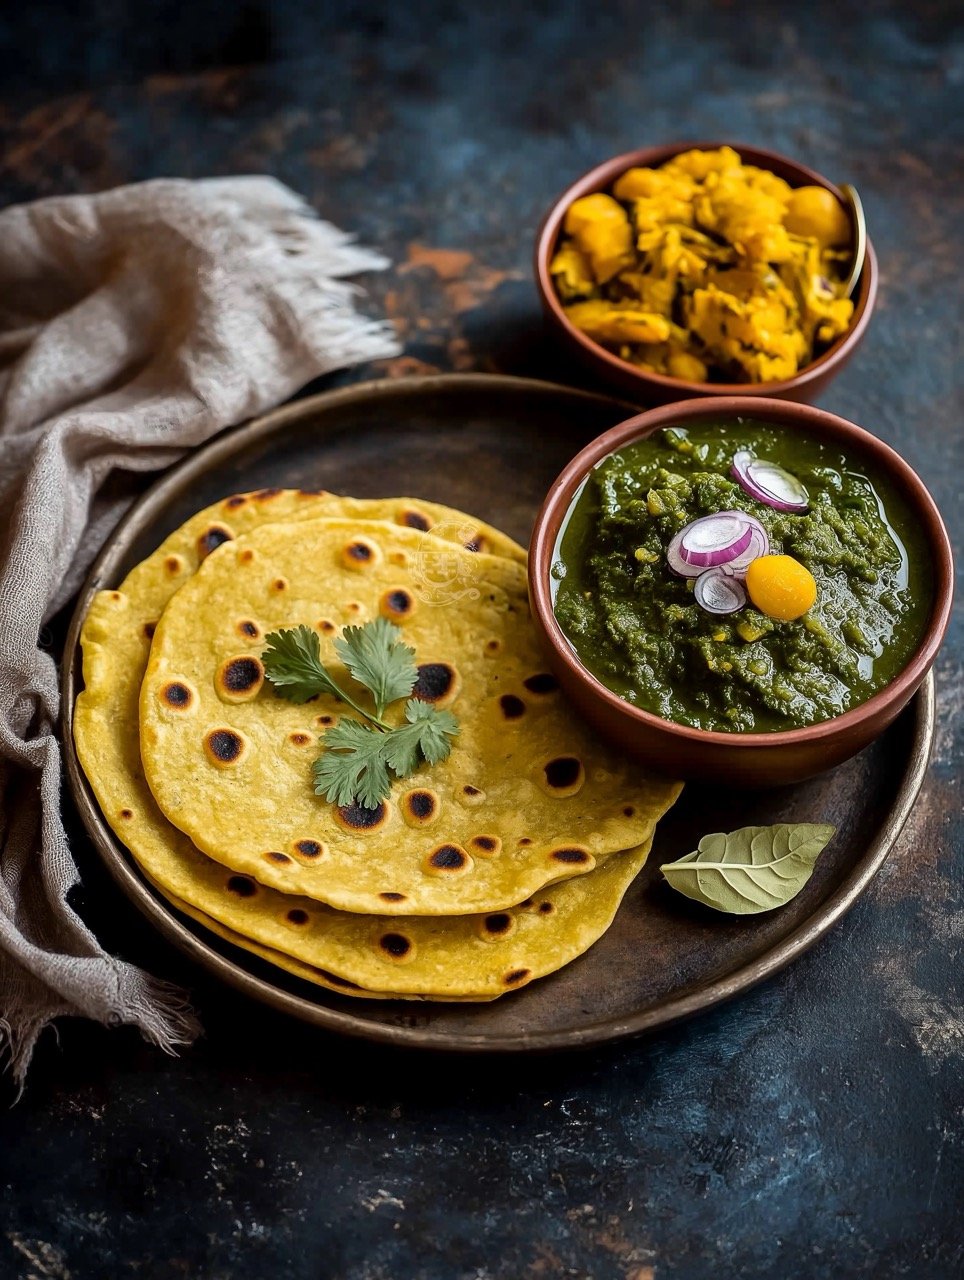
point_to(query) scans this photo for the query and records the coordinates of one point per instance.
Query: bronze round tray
(492, 445)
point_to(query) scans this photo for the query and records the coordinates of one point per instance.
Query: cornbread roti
(184, 549)
(528, 795)
(462, 959)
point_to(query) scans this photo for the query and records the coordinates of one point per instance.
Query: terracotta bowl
(656, 388)
(746, 759)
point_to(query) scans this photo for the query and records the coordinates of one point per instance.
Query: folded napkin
(133, 325)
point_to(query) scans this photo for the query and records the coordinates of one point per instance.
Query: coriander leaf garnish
(360, 757)
(377, 658)
(292, 662)
(427, 734)
(354, 766)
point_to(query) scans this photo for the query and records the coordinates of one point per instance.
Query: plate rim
(154, 907)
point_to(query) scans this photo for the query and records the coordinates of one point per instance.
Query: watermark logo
(439, 569)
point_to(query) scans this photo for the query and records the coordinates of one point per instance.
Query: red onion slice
(759, 545)
(710, 541)
(769, 483)
(719, 592)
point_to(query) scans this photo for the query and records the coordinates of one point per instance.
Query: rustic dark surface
(814, 1128)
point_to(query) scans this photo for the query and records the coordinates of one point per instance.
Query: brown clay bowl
(656, 388)
(744, 759)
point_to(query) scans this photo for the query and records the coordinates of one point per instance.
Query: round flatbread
(455, 959)
(527, 797)
(465, 958)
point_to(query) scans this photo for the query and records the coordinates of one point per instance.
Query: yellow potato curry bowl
(704, 269)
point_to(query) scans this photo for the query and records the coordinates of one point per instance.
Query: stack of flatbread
(497, 866)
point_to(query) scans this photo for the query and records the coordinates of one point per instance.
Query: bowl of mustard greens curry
(740, 589)
(705, 269)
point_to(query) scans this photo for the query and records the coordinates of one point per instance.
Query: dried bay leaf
(750, 870)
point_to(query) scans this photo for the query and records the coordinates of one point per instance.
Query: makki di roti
(460, 958)
(528, 795)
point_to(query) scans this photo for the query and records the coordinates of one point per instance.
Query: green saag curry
(639, 629)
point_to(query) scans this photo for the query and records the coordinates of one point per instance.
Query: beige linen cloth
(133, 325)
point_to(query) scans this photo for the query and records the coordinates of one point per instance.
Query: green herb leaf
(425, 736)
(377, 658)
(360, 758)
(357, 759)
(292, 662)
(750, 870)
(354, 766)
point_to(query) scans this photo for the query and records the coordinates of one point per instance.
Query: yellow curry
(707, 269)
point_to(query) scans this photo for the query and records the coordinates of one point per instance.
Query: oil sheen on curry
(740, 576)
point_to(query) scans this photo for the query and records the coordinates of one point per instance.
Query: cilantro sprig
(361, 756)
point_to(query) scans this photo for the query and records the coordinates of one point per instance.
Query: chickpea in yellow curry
(707, 269)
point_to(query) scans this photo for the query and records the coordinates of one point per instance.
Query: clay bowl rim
(599, 178)
(562, 492)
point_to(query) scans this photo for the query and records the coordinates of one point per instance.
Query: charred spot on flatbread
(396, 946)
(265, 495)
(239, 678)
(299, 739)
(214, 536)
(563, 776)
(448, 859)
(486, 846)
(275, 855)
(420, 807)
(499, 924)
(311, 849)
(223, 747)
(512, 708)
(360, 820)
(360, 554)
(541, 683)
(389, 896)
(437, 682)
(149, 629)
(397, 604)
(174, 565)
(296, 916)
(177, 695)
(515, 976)
(412, 518)
(248, 629)
(243, 886)
(238, 500)
(572, 856)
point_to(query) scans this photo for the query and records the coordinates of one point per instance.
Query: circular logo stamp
(439, 568)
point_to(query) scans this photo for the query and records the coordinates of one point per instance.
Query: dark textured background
(814, 1128)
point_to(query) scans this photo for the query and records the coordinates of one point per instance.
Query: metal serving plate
(492, 445)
